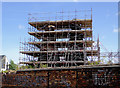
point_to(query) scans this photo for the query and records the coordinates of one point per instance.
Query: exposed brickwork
(69, 78)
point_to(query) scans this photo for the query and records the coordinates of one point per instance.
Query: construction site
(60, 43)
(60, 51)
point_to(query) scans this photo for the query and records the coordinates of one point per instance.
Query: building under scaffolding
(63, 42)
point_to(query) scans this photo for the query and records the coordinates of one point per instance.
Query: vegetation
(31, 66)
(5, 71)
(43, 65)
(12, 65)
(94, 62)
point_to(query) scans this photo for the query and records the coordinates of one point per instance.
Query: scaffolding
(60, 39)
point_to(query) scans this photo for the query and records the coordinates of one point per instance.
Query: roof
(2, 56)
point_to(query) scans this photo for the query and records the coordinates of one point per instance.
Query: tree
(12, 65)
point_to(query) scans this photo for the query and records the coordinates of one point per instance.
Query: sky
(60, 0)
(15, 22)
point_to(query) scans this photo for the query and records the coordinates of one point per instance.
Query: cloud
(21, 26)
(75, 0)
(118, 13)
(116, 30)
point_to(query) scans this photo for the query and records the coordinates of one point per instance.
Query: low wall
(64, 78)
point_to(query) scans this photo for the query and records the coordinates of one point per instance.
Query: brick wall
(69, 78)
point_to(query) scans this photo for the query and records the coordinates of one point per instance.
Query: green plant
(12, 65)
(94, 62)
